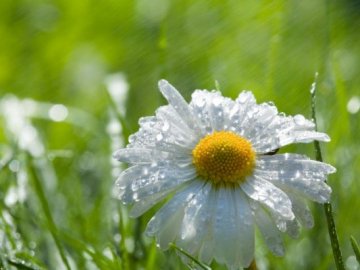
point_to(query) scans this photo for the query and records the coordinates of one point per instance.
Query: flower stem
(327, 206)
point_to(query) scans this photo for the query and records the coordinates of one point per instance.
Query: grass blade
(356, 248)
(196, 261)
(46, 209)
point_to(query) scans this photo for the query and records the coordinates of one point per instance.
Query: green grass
(56, 203)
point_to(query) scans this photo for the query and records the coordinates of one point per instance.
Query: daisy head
(216, 157)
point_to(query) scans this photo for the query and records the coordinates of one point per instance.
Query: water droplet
(159, 137)
(217, 101)
(165, 126)
(353, 106)
(299, 119)
(58, 112)
(14, 165)
(145, 171)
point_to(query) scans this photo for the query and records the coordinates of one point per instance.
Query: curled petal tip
(162, 83)
(327, 138)
(332, 169)
(115, 155)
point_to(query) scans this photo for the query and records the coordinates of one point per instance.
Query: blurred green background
(56, 172)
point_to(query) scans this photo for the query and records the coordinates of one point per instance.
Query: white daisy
(214, 156)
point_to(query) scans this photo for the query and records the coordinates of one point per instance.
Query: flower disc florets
(224, 158)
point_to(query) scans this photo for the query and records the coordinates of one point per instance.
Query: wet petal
(293, 163)
(255, 120)
(140, 181)
(152, 135)
(293, 228)
(140, 207)
(178, 103)
(297, 173)
(166, 223)
(225, 228)
(269, 232)
(145, 155)
(206, 251)
(284, 130)
(195, 224)
(301, 210)
(269, 195)
(245, 229)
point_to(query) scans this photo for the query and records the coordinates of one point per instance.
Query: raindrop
(159, 137)
(353, 106)
(117, 238)
(217, 101)
(58, 112)
(200, 103)
(14, 165)
(165, 126)
(145, 171)
(132, 138)
(299, 119)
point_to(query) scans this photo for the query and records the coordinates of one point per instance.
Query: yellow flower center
(224, 158)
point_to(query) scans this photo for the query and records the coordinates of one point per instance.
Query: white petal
(170, 229)
(255, 120)
(140, 207)
(174, 124)
(206, 252)
(195, 224)
(301, 210)
(199, 106)
(269, 195)
(225, 228)
(152, 135)
(298, 173)
(245, 229)
(178, 103)
(141, 181)
(292, 162)
(284, 130)
(242, 108)
(125, 179)
(219, 108)
(290, 226)
(246, 99)
(293, 228)
(311, 188)
(144, 155)
(269, 231)
(173, 208)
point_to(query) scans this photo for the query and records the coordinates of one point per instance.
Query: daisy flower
(216, 157)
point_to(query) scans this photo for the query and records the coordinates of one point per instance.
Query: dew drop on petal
(145, 171)
(159, 137)
(299, 119)
(166, 126)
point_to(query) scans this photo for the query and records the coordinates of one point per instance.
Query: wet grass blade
(46, 209)
(356, 248)
(196, 261)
